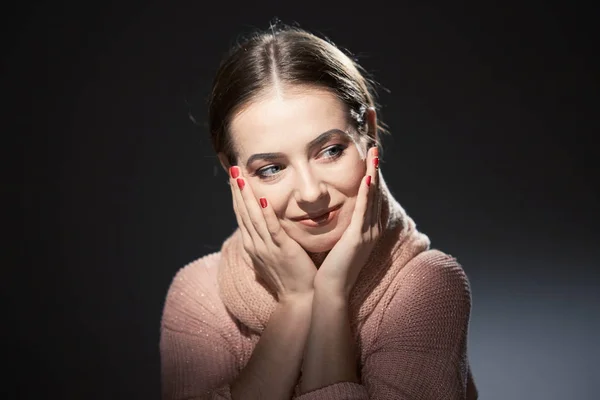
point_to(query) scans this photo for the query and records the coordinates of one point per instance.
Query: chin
(319, 243)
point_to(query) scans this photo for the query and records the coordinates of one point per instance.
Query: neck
(318, 258)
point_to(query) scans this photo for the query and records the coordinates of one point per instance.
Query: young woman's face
(295, 150)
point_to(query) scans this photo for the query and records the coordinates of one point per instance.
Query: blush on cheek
(353, 177)
(274, 201)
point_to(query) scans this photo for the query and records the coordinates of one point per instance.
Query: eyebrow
(316, 142)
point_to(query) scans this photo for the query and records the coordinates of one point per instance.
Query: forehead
(285, 122)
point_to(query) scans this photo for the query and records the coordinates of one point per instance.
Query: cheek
(348, 210)
(351, 178)
(277, 199)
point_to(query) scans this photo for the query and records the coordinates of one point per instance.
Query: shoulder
(193, 295)
(201, 271)
(429, 300)
(433, 279)
(436, 269)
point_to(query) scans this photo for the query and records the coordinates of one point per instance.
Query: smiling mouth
(320, 220)
(318, 217)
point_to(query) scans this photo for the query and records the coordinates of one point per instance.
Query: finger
(239, 185)
(374, 189)
(272, 224)
(360, 208)
(254, 213)
(245, 234)
(371, 172)
(379, 204)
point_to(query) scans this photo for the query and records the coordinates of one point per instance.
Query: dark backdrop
(491, 108)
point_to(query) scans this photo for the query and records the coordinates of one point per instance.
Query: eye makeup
(316, 143)
(330, 154)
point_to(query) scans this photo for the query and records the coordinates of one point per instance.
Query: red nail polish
(368, 180)
(241, 183)
(234, 172)
(263, 202)
(376, 162)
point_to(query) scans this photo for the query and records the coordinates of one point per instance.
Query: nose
(310, 188)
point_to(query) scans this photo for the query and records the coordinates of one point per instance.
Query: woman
(326, 290)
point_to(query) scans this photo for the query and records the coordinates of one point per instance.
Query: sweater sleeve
(420, 351)
(197, 340)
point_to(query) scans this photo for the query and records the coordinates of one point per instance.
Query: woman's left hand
(339, 271)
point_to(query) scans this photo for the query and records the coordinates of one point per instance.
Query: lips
(319, 216)
(321, 220)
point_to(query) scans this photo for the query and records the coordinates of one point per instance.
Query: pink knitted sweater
(409, 314)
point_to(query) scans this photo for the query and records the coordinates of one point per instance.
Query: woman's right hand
(280, 261)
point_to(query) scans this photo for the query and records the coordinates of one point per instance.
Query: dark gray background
(492, 110)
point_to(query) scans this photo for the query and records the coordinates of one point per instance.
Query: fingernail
(376, 162)
(234, 172)
(375, 152)
(263, 202)
(240, 183)
(368, 180)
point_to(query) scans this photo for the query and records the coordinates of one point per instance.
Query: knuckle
(275, 231)
(249, 248)
(261, 252)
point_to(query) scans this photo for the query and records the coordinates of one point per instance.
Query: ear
(224, 163)
(371, 115)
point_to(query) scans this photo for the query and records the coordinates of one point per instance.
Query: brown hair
(291, 57)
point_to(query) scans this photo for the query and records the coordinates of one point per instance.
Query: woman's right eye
(267, 172)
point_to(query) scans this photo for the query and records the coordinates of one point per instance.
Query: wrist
(335, 298)
(331, 292)
(296, 299)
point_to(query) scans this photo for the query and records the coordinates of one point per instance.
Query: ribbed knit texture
(409, 313)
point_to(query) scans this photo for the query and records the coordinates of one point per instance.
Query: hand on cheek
(285, 267)
(341, 268)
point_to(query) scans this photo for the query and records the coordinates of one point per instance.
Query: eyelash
(342, 151)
